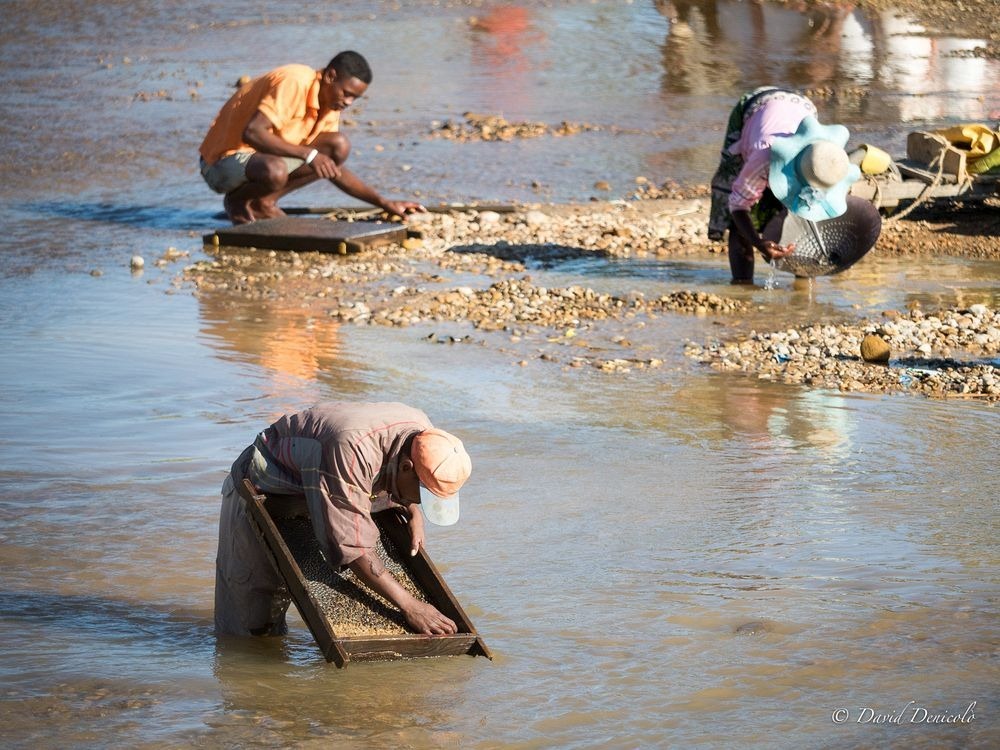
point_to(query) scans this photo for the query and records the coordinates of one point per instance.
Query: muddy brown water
(664, 558)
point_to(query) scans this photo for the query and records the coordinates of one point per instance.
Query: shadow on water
(111, 618)
(576, 261)
(148, 217)
(545, 255)
(565, 265)
(657, 270)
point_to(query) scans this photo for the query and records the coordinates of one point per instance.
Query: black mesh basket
(827, 247)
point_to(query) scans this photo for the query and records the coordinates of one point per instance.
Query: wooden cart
(933, 169)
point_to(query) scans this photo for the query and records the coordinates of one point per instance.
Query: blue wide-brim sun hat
(787, 182)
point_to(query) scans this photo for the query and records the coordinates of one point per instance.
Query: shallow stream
(665, 558)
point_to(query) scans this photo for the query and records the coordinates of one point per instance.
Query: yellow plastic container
(875, 161)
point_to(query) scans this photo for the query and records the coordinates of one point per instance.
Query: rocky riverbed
(945, 353)
(468, 270)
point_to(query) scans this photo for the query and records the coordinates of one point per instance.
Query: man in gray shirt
(348, 460)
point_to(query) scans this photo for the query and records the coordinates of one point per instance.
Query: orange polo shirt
(287, 96)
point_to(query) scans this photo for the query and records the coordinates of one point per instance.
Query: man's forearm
(373, 573)
(355, 187)
(258, 134)
(423, 617)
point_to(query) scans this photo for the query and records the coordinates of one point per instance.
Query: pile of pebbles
(671, 189)
(944, 354)
(487, 127)
(826, 93)
(351, 608)
(267, 274)
(500, 244)
(989, 52)
(485, 242)
(619, 229)
(511, 303)
(962, 230)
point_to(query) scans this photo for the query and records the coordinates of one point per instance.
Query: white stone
(536, 219)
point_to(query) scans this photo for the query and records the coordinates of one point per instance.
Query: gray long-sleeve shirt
(343, 457)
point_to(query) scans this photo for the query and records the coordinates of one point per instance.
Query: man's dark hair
(350, 64)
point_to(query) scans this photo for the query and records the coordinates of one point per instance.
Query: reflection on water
(502, 41)
(939, 80)
(665, 72)
(666, 558)
(288, 341)
(291, 348)
(717, 47)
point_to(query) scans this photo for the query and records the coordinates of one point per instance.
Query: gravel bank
(415, 282)
(471, 268)
(945, 354)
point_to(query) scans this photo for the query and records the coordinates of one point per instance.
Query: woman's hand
(773, 251)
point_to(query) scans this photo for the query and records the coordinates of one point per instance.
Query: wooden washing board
(305, 234)
(348, 621)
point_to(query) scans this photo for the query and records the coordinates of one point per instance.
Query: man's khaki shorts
(229, 172)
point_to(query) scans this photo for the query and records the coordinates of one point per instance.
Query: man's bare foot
(266, 209)
(238, 211)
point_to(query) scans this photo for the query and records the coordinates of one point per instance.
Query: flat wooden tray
(348, 620)
(308, 235)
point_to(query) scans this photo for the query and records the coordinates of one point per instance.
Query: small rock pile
(257, 274)
(990, 52)
(917, 237)
(836, 92)
(618, 230)
(671, 189)
(925, 348)
(483, 127)
(511, 303)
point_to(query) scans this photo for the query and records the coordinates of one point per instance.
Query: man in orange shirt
(281, 132)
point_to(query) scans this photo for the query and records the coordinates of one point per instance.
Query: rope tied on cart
(936, 162)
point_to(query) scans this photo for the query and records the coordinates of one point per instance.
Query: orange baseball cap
(442, 466)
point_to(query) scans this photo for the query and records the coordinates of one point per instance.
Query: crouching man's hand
(402, 208)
